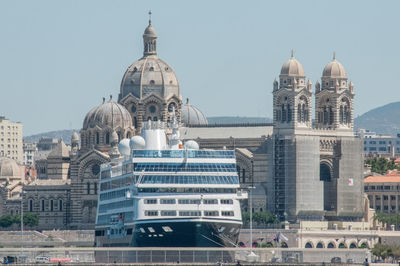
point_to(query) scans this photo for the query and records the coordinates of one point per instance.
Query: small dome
(292, 67)
(192, 116)
(124, 148)
(334, 69)
(150, 31)
(9, 168)
(191, 145)
(75, 137)
(108, 114)
(137, 143)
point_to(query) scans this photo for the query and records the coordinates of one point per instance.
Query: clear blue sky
(59, 58)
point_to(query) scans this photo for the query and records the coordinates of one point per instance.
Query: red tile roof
(393, 177)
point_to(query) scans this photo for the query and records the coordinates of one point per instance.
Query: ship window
(150, 201)
(210, 201)
(151, 213)
(168, 213)
(189, 201)
(190, 213)
(227, 213)
(167, 201)
(211, 213)
(167, 229)
(226, 201)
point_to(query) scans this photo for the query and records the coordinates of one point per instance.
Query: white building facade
(11, 140)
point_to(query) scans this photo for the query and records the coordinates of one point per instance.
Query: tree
(6, 220)
(31, 219)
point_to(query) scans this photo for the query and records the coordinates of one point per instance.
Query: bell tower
(292, 97)
(334, 98)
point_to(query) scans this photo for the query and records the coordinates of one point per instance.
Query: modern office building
(11, 140)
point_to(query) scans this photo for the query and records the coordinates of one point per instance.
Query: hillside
(382, 120)
(64, 134)
(237, 120)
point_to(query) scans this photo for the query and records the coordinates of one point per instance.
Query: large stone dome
(108, 114)
(192, 115)
(149, 74)
(292, 67)
(334, 69)
(9, 169)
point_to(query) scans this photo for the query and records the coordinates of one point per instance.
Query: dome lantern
(149, 40)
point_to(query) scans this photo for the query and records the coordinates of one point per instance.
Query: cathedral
(301, 169)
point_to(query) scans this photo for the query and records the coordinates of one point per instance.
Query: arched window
(42, 207)
(128, 135)
(31, 205)
(60, 205)
(341, 115)
(283, 113)
(353, 245)
(107, 138)
(289, 113)
(325, 116)
(171, 107)
(324, 172)
(238, 170)
(135, 122)
(331, 245)
(299, 113)
(119, 137)
(320, 245)
(308, 245)
(305, 112)
(244, 175)
(95, 188)
(97, 138)
(51, 205)
(331, 117)
(155, 118)
(88, 188)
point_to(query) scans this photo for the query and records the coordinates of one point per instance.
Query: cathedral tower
(334, 99)
(292, 98)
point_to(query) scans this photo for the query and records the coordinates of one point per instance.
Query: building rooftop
(393, 177)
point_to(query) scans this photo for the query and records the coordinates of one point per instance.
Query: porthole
(170, 82)
(151, 68)
(152, 82)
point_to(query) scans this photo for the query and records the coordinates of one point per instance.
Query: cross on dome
(150, 17)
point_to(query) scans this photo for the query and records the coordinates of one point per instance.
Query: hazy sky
(59, 58)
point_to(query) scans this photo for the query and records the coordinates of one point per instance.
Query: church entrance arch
(330, 185)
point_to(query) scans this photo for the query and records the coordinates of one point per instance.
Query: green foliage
(387, 219)
(30, 219)
(260, 218)
(381, 165)
(6, 220)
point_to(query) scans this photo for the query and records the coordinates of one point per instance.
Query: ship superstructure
(161, 192)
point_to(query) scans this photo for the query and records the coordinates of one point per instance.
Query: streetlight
(252, 256)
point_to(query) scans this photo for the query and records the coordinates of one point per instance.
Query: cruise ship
(162, 192)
